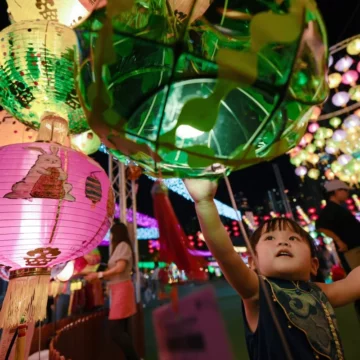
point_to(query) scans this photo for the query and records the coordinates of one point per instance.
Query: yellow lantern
(335, 122)
(296, 161)
(313, 159)
(334, 80)
(336, 167)
(66, 12)
(353, 48)
(315, 113)
(355, 93)
(314, 174)
(329, 174)
(310, 148)
(319, 143)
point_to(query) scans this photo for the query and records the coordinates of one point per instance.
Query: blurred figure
(122, 294)
(338, 223)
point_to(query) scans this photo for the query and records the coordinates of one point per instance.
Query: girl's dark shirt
(306, 318)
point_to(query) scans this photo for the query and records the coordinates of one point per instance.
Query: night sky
(341, 19)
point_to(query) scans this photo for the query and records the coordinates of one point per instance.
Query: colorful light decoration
(334, 151)
(184, 127)
(47, 217)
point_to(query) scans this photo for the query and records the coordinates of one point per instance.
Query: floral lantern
(66, 12)
(179, 94)
(37, 74)
(13, 131)
(47, 218)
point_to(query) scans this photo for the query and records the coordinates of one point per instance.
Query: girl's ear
(251, 263)
(314, 266)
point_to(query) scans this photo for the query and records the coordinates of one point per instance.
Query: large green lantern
(233, 87)
(37, 66)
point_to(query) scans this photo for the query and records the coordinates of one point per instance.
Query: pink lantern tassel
(26, 297)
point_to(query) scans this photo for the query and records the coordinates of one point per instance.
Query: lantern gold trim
(31, 286)
(24, 272)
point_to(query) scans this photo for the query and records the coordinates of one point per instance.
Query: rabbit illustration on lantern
(45, 179)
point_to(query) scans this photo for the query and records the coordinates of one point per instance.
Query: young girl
(285, 256)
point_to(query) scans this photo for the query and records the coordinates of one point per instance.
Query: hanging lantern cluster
(180, 93)
(330, 148)
(56, 204)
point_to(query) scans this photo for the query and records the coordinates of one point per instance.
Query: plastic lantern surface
(37, 73)
(13, 131)
(47, 217)
(234, 95)
(66, 12)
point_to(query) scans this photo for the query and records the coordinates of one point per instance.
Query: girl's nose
(283, 243)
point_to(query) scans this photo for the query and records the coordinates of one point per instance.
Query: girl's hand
(201, 189)
(91, 277)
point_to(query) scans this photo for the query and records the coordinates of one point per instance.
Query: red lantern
(46, 218)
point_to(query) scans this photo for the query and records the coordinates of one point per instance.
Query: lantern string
(11, 344)
(261, 281)
(40, 327)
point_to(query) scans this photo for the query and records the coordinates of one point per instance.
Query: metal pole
(136, 242)
(281, 186)
(122, 192)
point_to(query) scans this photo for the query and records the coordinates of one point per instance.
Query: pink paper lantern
(313, 127)
(350, 77)
(47, 213)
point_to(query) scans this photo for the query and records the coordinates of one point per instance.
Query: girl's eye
(269, 238)
(293, 238)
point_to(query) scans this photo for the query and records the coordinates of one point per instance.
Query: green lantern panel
(179, 96)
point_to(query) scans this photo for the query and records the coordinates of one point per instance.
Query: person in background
(337, 222)
(155, 280)
(122, 294)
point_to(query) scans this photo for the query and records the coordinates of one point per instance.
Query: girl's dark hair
(282, 224)
(120, 233)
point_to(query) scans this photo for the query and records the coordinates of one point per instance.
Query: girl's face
(284, 254)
